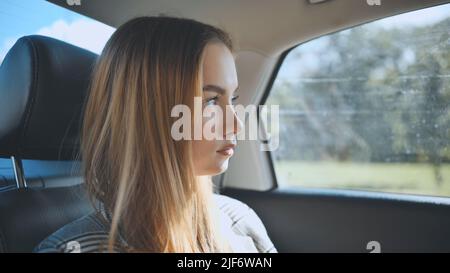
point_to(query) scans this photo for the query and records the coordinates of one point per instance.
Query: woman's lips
(227, 151)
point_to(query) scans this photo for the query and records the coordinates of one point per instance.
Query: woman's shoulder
(86, 234)
(244, 221)
(90, 233)
(233, 207)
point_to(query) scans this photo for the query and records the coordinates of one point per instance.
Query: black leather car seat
(43, 86)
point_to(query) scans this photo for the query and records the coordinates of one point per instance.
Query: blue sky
(28, 16)
(25, 17)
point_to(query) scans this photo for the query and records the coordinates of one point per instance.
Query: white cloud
(84, 33)
(421, 17)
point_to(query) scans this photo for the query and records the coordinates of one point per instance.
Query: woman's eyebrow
(216, 88)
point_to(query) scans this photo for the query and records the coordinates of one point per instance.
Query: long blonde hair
(130, 161)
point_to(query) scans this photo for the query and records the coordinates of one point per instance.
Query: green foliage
(368, 94)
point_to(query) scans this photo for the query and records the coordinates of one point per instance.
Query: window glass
(368, 108)
(28, 17)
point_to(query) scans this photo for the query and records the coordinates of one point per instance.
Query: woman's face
(219, 88)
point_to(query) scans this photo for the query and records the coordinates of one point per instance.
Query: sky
(291, 69)
(25, 17)
(421, 17)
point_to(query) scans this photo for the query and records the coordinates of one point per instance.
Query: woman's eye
(211, 101)
(233, 100)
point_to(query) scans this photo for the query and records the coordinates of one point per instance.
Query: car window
(36, 170)
(6, 174)
(367, 108)
(20, 18)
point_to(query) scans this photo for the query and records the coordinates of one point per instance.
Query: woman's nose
(233, 124)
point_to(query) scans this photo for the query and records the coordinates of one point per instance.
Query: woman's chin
(218, 168)
(214, 166)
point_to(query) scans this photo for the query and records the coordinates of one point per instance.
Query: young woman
(153, 193)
